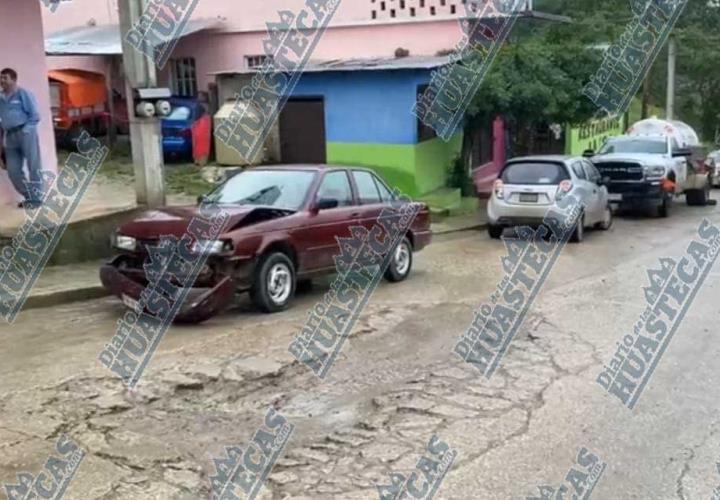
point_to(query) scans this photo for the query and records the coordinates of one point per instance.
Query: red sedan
(281, 225)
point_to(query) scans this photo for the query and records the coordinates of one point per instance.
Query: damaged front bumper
(200, 304)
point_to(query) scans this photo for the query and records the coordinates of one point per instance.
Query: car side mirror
(681, 152)
(201, 199)
(326, 203)
(605, 181)
(588, 153)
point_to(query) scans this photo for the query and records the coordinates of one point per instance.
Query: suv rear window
(534, 173)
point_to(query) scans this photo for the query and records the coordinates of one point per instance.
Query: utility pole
(672, 56)
(645, 112)
(145, 133)
(111, 66)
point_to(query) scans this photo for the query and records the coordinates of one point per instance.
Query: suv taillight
(563, 188)
(498, 187)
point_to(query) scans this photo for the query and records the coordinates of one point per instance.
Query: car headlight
(655, 171)
(124, 242)
(212, 247)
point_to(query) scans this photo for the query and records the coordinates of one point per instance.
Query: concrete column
(145, 133)
(23, 49)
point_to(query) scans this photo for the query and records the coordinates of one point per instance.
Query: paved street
(395, 384)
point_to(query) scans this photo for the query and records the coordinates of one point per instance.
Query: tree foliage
(540, 81)
(540, 73)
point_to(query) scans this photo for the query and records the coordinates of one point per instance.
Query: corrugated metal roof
(105, 39)
(374, 64)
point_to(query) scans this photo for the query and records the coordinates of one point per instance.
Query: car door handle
(355, 215)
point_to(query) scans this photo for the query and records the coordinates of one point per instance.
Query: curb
(50, 299)
(473, 227)
(62, 297)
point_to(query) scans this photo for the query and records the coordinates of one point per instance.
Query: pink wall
(353, 32)
(485, 175)
(227, 51)
(21, 27)
(80, 13)
(253, 14)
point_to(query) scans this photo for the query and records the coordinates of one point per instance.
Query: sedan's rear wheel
(401, 262)
(274, 284)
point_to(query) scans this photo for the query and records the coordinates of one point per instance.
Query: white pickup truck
(655, 161)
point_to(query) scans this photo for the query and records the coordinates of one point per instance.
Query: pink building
(234, 34)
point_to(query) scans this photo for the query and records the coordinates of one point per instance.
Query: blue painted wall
(367, 106)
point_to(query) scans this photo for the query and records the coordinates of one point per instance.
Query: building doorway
(302, 131)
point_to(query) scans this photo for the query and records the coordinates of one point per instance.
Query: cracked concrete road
(395, 384)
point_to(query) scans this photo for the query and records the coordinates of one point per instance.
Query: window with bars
(183, 77)
(256, 61)
(389, 9)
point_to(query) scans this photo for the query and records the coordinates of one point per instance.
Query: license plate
(529, 197)
(615, 197)
(130, 302)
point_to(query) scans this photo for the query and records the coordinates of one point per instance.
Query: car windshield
(273, 188)
(653, 146)
(534, 173)
(179, 113)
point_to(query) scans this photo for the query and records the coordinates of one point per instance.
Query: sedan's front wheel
(401, 262)
(275, 282)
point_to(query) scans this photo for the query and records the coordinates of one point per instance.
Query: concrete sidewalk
(65, 284)
(464, 222)
(76, 282)
(103, 197)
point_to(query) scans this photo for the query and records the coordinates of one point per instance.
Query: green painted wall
(394, 162)
(592, 135)
(432, 160)
(415, 169)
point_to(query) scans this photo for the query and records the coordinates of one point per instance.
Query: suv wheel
(495, 232)
(274, 284)
(401, 262)
(579, 233)
(607, 221)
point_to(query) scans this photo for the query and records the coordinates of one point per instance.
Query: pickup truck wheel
(495, 232)
(578, 235)
(400, 263)
(274, 283)
(607, 221)
(663, 210)
(697, 197)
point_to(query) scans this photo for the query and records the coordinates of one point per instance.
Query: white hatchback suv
(529, 186)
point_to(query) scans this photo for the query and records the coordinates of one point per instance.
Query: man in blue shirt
(19, 118)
